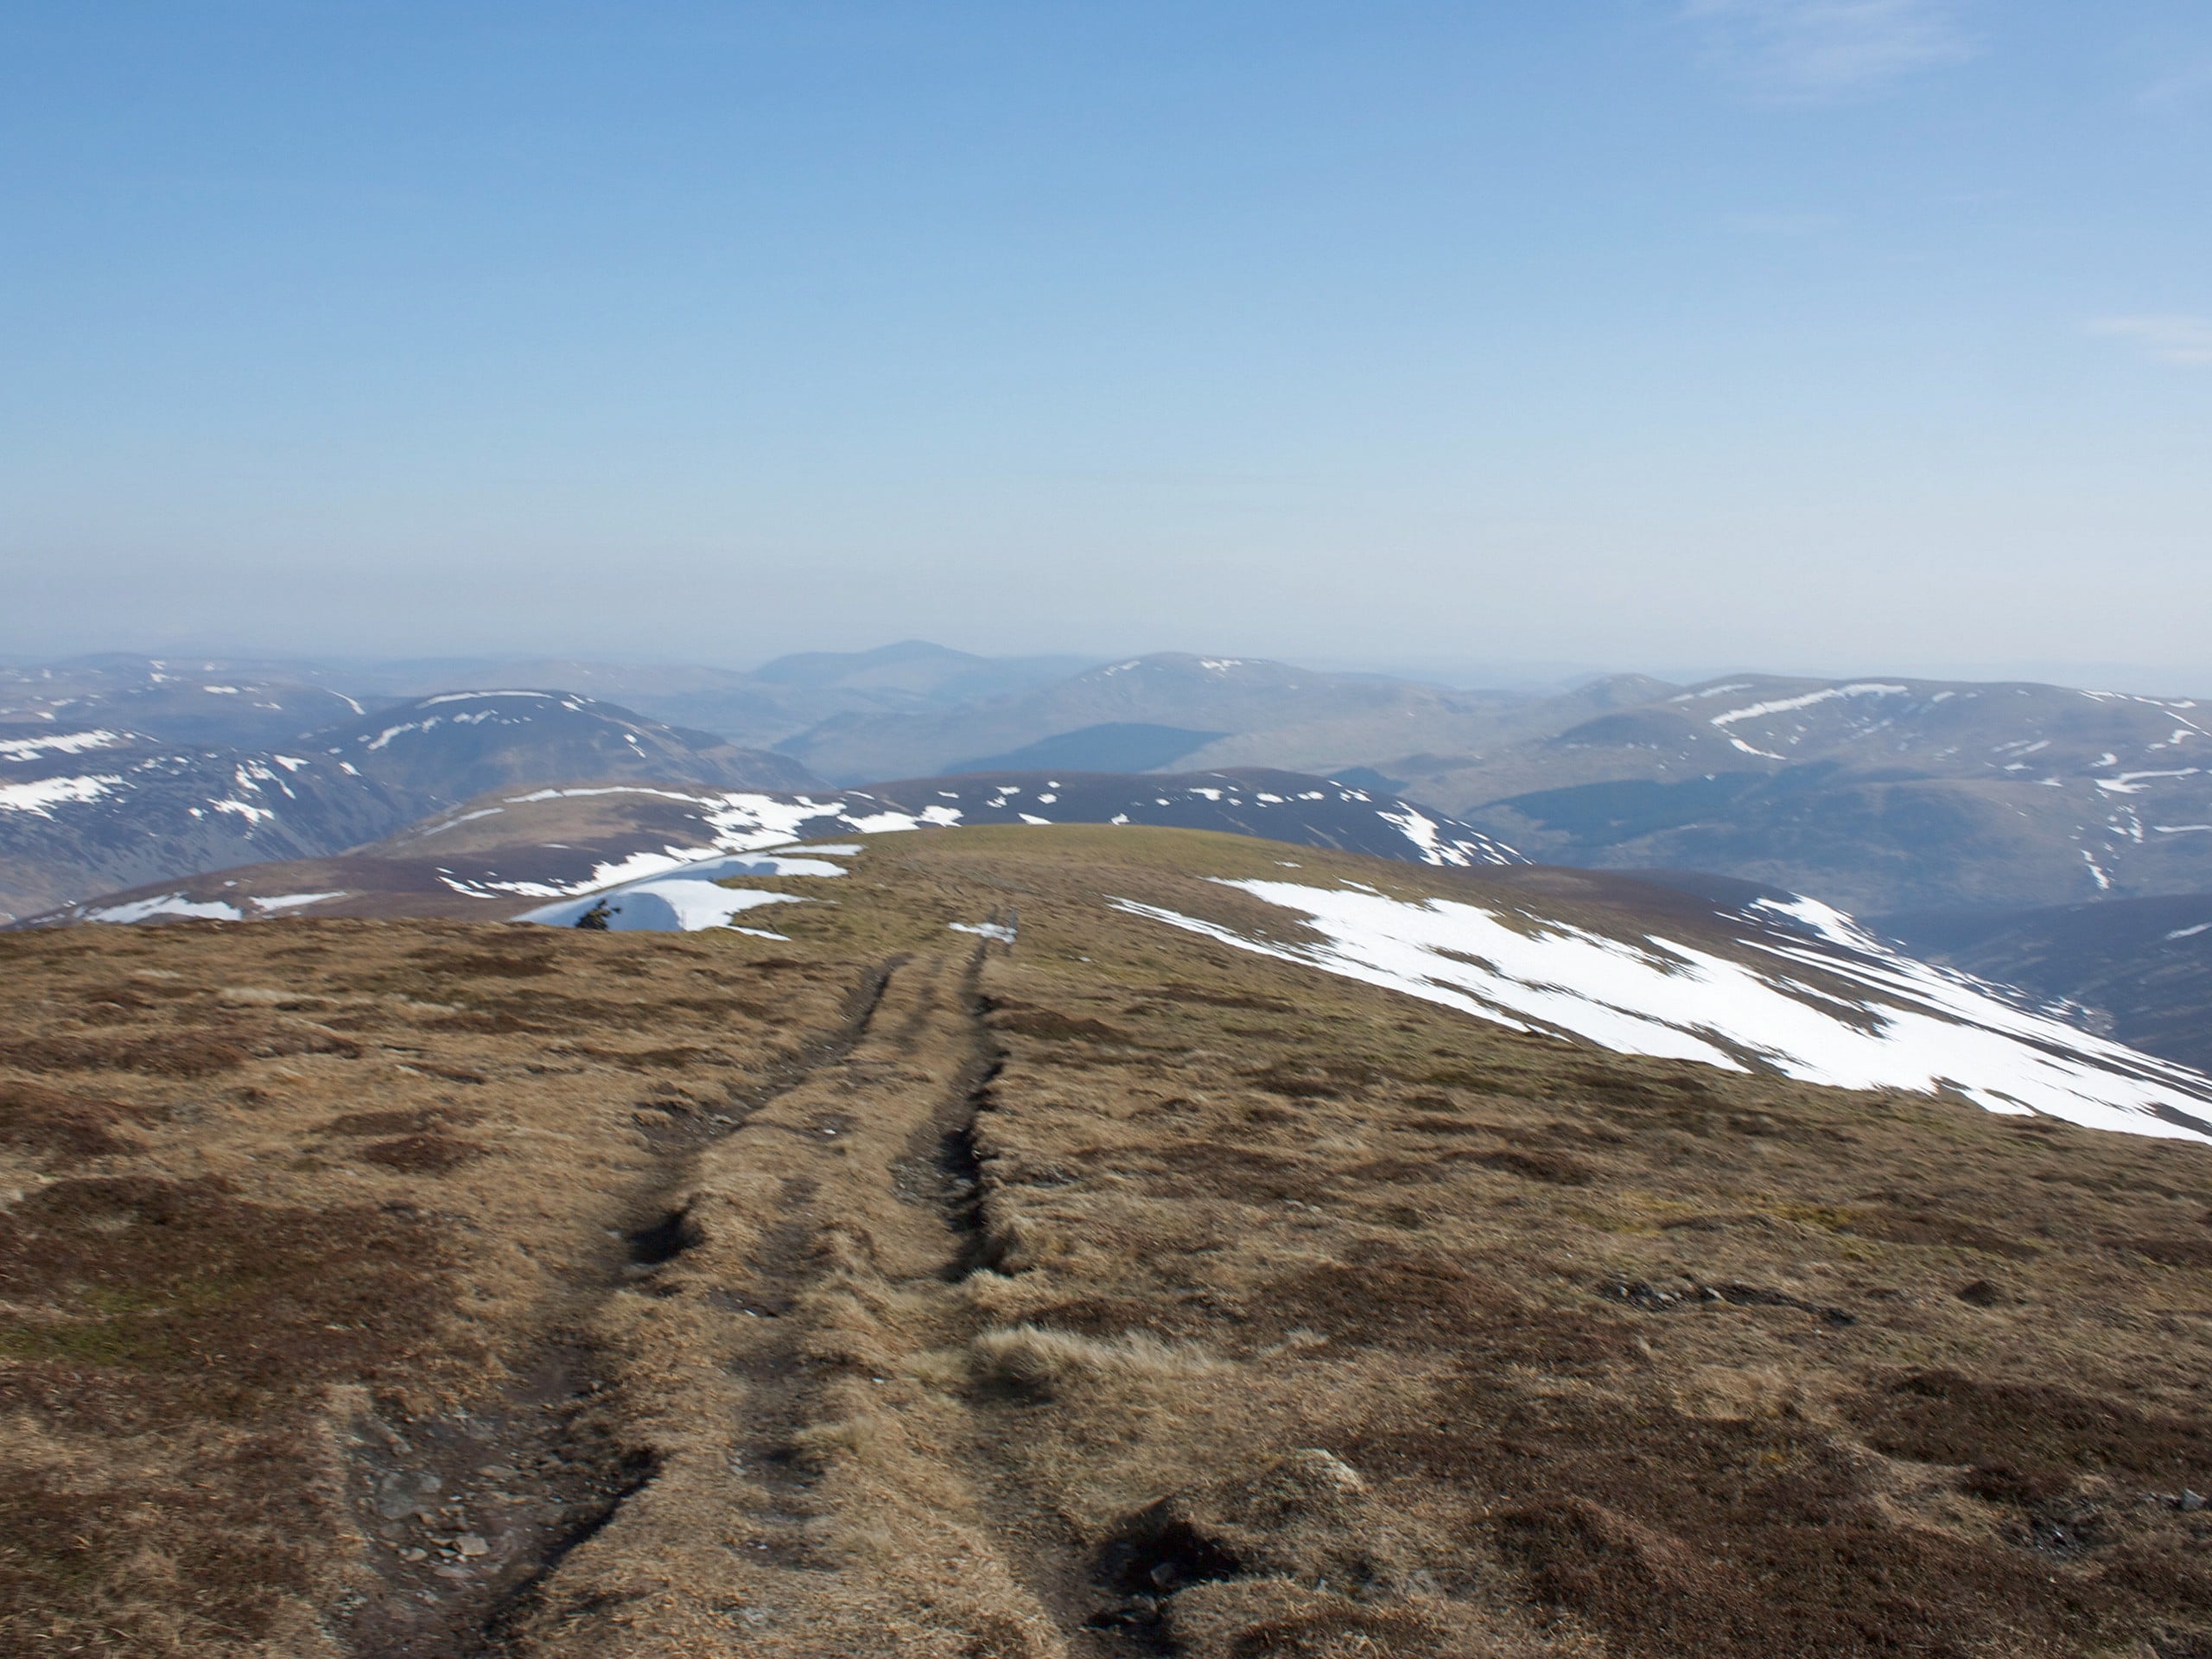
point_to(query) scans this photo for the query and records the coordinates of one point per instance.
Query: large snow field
(1838, 1009)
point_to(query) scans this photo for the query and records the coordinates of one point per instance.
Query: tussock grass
(1041, 1364)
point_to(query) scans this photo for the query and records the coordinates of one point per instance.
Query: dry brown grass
(1138, 1294)
(1032, 1363)
(243, 1257)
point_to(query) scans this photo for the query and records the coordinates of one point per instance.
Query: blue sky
(1826, 334)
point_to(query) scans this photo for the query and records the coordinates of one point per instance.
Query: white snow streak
(476, 696)
(1788, 705)
(293, 901)
(2130, 783)
(32, 748)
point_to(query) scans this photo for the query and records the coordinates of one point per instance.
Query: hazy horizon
(1533, 677)
(1822, 336)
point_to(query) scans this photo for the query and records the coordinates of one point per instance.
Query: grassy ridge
(878, 1291)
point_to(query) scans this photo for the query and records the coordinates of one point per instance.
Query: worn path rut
(809, 1490)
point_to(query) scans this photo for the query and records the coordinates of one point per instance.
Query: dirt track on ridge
(810, 1496)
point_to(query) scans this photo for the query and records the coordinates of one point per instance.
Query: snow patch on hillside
(695, 863)
(892, 823)
(42, 796)
(686, 901)
(666, 904)
(479, 696)
(168, 904)
(1437, 848)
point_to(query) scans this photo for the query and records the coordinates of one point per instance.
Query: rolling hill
(1270, 714)
(447, 748)
(85, 811)
(244, 702)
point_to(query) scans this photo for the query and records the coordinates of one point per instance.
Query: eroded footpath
(809, 1492)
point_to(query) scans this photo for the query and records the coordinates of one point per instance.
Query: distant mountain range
(1877, 794)
(1955, 815)
(1232, 711)
(781, 700)
(1881, 795)
(245, 703)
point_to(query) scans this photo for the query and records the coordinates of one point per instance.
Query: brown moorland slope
(390, 1287)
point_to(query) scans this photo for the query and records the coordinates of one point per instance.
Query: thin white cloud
(2180, 88)
(1822, 51)
(2166, 339)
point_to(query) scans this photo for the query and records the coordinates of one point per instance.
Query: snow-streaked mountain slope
(86, 810)
(1737, 978)
(1879, 794)
(1799, 991)
(568, 841)
(454, 745)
